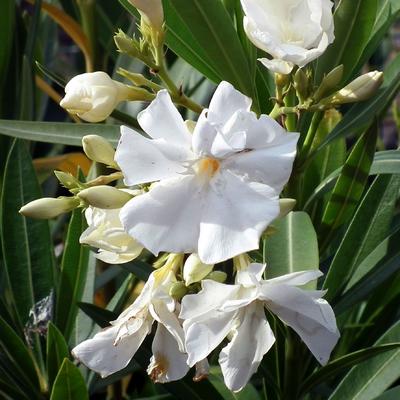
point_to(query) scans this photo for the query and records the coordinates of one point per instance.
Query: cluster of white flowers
(215, 189)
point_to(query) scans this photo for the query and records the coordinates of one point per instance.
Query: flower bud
(93, 96)
(194, 270)
(178, 290)
(286, 205)
(301, 84)
(67, 180)
(105, 197)
(126, 44)
(329, 83)
(217, 276)
(99, 150)
(49, 207)
(151, 12)
(361, 89)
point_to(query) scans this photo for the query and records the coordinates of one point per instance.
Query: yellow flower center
(208, 167)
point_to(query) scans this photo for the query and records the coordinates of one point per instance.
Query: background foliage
(54, 293)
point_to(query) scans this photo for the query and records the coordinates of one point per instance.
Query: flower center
(208, 167)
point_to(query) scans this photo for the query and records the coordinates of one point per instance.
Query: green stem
(291, 368)
(312, 131)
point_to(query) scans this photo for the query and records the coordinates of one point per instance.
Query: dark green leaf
(372, 377)
(27, 246)
(351, 183)
(100, 316)
(392, 394)
(7, 21)
(73, 275)
(58, 132)
(367, 229)
(354, 21)
(69, 384)
(56, 351)
(330, 370)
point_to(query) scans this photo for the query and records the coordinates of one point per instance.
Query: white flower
(293, 32)
(112, 349)
(105, 232)
(93, 96)
(152, 12)
(219, 186)
(237, 310)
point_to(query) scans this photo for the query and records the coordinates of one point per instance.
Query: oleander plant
(199, 199)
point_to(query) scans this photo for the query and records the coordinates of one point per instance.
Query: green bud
(194, 270)
(217, 276)
(178, 290)
(49, 207)
(301, 84)
(329, 83)
(126, 44)
(105, 197)
(67, 180)
(99, 150)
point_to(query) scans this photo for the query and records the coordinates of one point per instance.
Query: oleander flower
(217, 189)
(93, 96)
(237, 311)
(293, 32)
(105, 232)
(111, 349)
(152, 12)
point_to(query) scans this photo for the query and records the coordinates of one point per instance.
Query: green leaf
(74, 268)
(58, 132)
(367, 229)
(360, 116)
(392, 394)
(351, 183)
(354, 21)
(27, 246)
(69, 384)
(202, 33)
(372, 377)
(331, 370)
(56, 351)
(293, 247)
(100, 316)
(19, 360)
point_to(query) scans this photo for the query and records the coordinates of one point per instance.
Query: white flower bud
(93, 96)
(104, 197)
(194, 270)
(99, 149)
(362, 88)
(49, 207)
(286, 205)
(151, 11)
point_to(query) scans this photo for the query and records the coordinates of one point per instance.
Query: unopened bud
(362, 88)
(217, 276)
(329, 83)
(285, 206)
(178, 290)
(67, 180)
(281, 80)
(105, 197)
(126, 44)
(301, 84)
(194, 270)
(99, 150)
(151, 11)
(49, 207)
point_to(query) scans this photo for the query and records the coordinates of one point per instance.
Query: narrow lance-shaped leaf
(351, 183)
(366, 230)
(69, 383)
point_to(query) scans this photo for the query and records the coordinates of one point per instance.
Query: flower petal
(277, 66)
(251, 275)
(205, 333)
(225, 102)
(105, 357)
(142, 161)
(313, 319)
(161, 120)
(167, 363)
(236, 215)
(240, 359)
(168, 217)
(296, 278)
